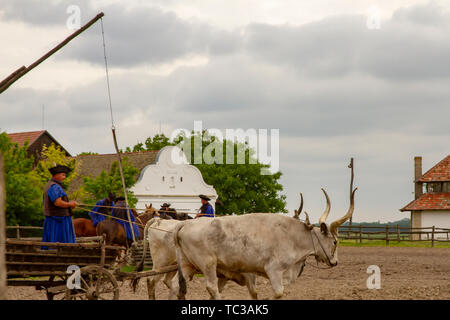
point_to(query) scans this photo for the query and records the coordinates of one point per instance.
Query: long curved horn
(334, 225)
(307, 223)
(327, 209)
(297, 212)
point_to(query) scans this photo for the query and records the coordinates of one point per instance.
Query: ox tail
(140, 265)
(181, 278)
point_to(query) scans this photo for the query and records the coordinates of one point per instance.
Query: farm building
(431, 206)
(161, 179)
(172, 179)
(36, 140)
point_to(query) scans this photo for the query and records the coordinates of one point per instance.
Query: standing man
(58, 226)
(101, 207)
(206, 210)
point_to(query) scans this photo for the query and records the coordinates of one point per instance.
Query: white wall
(437, 218)
(171, 179)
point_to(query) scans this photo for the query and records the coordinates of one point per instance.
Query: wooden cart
(29, 265)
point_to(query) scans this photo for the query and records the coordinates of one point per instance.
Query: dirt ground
(406, 273)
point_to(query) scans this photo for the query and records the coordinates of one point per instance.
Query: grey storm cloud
(42, 12)
(414, 44)
(146, 35)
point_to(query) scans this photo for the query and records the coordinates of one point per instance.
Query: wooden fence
(349, 232)
(394, 233)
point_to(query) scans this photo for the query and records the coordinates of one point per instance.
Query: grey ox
(271, 245)
(159, 233)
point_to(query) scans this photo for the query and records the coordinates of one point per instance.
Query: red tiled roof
(430, 201)
(21, 137)
(440, 172)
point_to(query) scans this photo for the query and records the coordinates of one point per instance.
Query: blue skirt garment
(126, 225)
(58, 229)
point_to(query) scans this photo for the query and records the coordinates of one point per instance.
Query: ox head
(325, 237)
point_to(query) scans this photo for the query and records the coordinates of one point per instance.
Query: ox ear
(324, 228)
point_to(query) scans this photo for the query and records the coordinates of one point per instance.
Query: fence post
(18, 232)
(3, 276)
(432, 237)
(387, 234)
(398, 233)
(360, 233)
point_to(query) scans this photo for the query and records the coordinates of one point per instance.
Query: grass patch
(393, 243)
(132, 268)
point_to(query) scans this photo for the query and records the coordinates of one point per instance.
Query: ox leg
(276, 280)
(221, 284)
(212, 284)
(188, 272)
(168, 279)
(250, 281)
(151, 284)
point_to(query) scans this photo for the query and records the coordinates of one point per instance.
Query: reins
(138, 224)
(315, 252)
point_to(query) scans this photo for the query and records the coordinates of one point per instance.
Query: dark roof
(430, 201)
(439, 173)
(33, 136)
(21, 137)
(94, 164)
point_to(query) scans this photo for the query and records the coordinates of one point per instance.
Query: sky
(338, 79)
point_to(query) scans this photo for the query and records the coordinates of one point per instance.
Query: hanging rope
(136, 223)
(107, 75)
(113, 128)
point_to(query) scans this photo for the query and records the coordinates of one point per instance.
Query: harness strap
(323, 249)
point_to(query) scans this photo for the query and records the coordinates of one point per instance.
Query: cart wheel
(97, 283)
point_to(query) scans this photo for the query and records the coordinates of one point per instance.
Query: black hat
(120, 198)
(59, 169)
(112, 196)
(202, 196)
(165, 204)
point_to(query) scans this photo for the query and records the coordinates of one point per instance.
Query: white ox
(267, 244)
(162, 249)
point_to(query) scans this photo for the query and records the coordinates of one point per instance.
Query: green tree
(158, 142)
(241, 187)
(99, 187)
(23, 196)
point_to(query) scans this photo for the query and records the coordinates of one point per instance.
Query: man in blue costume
(101, 207)
(206, 210)
(58, 225)
(120, 211)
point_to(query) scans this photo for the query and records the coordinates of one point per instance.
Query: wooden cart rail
(29, 264)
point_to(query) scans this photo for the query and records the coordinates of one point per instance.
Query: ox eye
(335, 242)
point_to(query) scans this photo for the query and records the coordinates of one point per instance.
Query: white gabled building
(172, 179)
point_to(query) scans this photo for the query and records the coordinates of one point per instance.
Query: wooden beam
(3, 275)
(7, 82)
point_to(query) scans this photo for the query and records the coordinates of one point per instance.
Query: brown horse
(84, 228)
(116, 234)
(143, 218)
